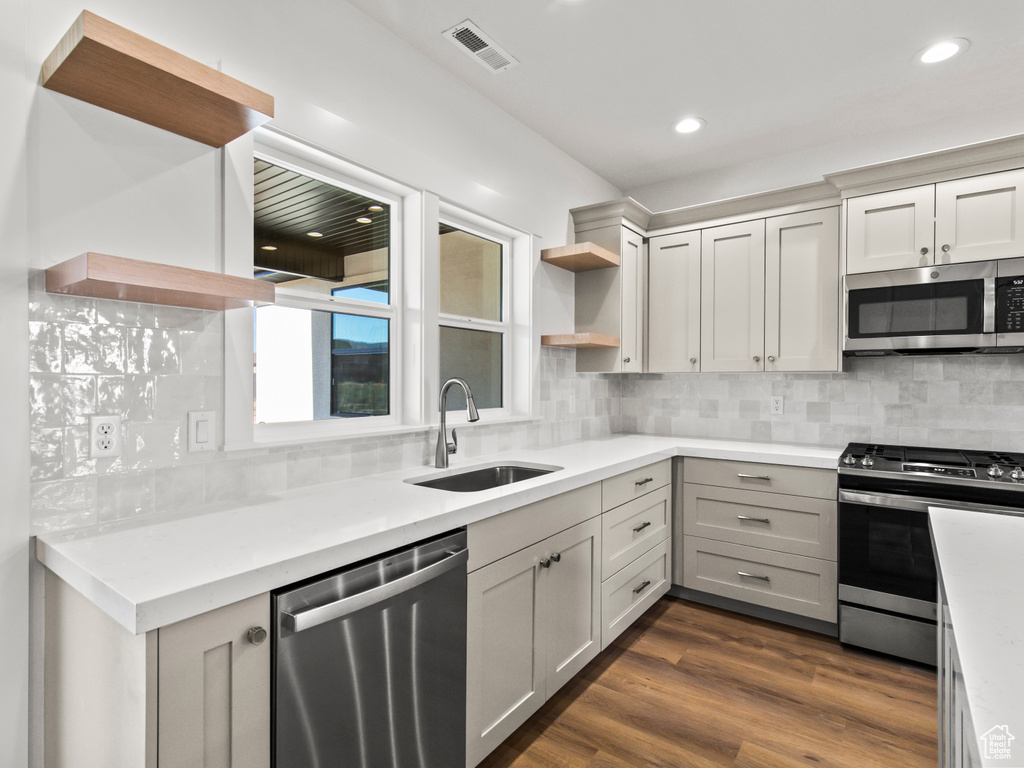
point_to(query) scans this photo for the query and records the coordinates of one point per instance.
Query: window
(473, 311)
(323, 351)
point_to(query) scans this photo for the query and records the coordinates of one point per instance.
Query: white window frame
(472, 225)
(414, 301)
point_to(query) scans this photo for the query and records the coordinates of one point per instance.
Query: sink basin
(483, 478)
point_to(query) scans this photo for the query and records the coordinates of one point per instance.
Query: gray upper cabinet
(801, 329)
(673, 303)
(732, 297)
(970, 219)
(611, 302)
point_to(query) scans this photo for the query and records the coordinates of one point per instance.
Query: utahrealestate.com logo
(996, 743)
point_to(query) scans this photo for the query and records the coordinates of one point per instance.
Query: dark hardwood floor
(689, 686)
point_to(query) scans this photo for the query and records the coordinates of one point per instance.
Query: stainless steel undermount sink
(483, 478)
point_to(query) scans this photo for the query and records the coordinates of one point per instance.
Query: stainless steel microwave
(946, 309)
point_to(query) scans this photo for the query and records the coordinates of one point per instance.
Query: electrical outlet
(104, 437)
(776, 405)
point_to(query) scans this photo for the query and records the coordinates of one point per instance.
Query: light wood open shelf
(579, 340)
(99, 276)
(109, 66)
(580, 257)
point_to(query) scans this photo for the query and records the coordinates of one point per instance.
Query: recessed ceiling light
(314, 234)
(376, 208)
(690, 124)
(947, 49)
(269, 247)
(364, 220)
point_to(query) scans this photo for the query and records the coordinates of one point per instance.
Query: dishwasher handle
(313, 617)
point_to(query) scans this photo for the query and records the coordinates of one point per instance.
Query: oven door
(946, 307)
(886, 550)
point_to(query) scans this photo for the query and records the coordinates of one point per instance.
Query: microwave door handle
(989, 306)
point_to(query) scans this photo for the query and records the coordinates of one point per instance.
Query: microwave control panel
(1010, 304)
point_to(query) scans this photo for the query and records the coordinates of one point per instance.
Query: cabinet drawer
(792, 583)
(634, 589)
(632, 528)
(630, 485)
(750, 475)
(795, 524)
(501, 535)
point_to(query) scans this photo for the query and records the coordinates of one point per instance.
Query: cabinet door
(801, 329)
(633, 295)
(891, 230)
(673, 303)
(214, 689)
(979, 218)
(571, 607)
(504, 684)
(732, 297)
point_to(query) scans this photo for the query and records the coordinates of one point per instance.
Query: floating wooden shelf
(580, 257)
(579, 341)
(109, 66)
(112, 277)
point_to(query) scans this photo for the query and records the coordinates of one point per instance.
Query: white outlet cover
(105, 438)
(202, 431)
(776, 405)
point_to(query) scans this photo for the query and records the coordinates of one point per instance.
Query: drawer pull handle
(556, 557)
(754, 519)
(641, 527)
(545, 562)
(645, 481)
(642, 587)
(745, 476)
(754, 576)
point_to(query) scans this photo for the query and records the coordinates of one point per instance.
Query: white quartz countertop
(981, 558)
(147, 575)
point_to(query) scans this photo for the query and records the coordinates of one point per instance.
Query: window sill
(297, 438)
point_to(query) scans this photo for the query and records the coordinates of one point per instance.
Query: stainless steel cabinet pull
(754, 576)
(945, 248)
(924, 251)
(693, 360)
(645, 481)
(753, 477)
(641, 527)
(256, 635)
(642, 587)
(545, 562)
(625, 359)
(757, 358)
(311, 617)
(556, 557)
(753, 519)
(771, 358)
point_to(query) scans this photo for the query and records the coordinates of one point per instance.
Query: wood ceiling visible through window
(288, 206)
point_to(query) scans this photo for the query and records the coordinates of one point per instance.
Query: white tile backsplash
(152, 364)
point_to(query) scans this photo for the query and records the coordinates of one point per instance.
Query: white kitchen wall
(946, 401)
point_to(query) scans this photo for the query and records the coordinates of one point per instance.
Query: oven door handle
(917, 503)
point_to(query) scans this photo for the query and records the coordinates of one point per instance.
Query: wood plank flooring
(690, 686)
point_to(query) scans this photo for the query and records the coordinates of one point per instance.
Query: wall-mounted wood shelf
(112, 277)
(579, 341)
(109, 66)
(580, 257)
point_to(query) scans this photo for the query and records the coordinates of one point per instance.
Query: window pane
(319, 237)
(319, 365)
(470, 275)
(476, 357)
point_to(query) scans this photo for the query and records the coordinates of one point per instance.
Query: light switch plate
(202, 431)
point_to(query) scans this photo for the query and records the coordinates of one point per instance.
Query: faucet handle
(453, 446)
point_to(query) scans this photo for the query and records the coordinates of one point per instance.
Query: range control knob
(1017, 473)
(867, 461)
(849, 460)
(995, 471)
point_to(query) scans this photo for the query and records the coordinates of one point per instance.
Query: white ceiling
(605, 80)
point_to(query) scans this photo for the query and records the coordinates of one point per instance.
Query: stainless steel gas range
(887, 582)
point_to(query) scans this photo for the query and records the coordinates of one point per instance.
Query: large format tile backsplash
(153, 364)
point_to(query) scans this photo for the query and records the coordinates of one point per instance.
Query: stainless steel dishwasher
(369, 667)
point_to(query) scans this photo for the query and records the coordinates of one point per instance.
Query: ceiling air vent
(468, 37)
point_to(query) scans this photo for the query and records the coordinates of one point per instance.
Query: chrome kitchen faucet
(444, 448)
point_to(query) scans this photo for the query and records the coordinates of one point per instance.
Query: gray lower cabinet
(193, 693)
(763, 534)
